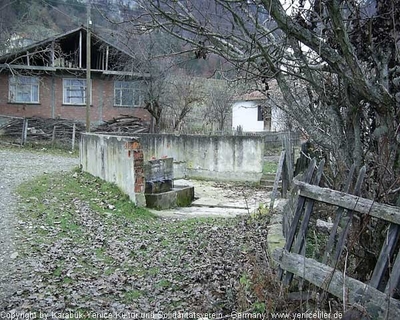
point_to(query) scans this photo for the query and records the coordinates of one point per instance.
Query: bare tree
(154, 59)
(336, 63)
(184, 93)
(219, 105)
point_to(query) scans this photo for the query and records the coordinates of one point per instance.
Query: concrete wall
(115, 159)
(230, 158)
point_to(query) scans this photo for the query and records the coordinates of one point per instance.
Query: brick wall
(51, 101)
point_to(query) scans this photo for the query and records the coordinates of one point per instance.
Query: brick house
(48, 79)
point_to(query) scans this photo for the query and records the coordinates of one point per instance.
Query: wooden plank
(376, 303)
(394, 280)
(18, 66)
(307, 213)
(350, 202)
(299, 210)
(338, 217)
(80, 49)
(107, 54)
(301, 235)
(53, 136)
(349, 217)
(52, 54)
(24, 134)
(277, 178)
(385, 255)
(73, 136)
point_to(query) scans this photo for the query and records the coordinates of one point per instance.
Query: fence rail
(376, 296)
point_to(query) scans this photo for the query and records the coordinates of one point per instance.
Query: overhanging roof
(49, 40)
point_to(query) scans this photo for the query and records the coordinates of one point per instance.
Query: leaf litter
(86, 250)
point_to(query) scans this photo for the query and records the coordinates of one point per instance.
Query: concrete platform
(218, 200)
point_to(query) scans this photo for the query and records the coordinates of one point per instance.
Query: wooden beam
(394, 280)
(18, 66)
(80, 49)
(126, 73)
(298, 213)
(24, 131)
(277, 178)
(338, 218)
(385, 255)
(348, 219)
(107, 53)
(350, 202)
(52, 54)
(376, 303)
(300, 240)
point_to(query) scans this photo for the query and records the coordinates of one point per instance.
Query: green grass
(270, 167)
(103, 197)
(44, 147)
(131, 295)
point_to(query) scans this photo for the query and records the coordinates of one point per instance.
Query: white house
(253, 114)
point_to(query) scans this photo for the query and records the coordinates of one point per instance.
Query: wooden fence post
(53, 137)
(73, 136)
(24, 131)
(277, 178)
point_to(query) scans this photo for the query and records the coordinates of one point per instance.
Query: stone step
(268, 181)
(214, 203)
(270, 176)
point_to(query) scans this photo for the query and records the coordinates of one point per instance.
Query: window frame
(15, 86)
(85, 88)
(136, 92)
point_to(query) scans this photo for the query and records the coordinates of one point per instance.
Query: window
(24, 89)
(74, 91)
(128, 94)
(263, 113)
(260, 115)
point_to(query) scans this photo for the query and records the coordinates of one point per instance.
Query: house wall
(245, 113)
(51, 101)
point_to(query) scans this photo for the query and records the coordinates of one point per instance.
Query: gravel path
(15, 168)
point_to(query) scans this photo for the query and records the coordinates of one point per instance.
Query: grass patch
(43, 148)
(52, 195)
(270, 167)
(131, 295)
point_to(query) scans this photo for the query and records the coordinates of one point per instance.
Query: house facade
(252, 113)
(48, 79)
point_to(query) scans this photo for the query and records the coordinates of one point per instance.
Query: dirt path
(15, 168)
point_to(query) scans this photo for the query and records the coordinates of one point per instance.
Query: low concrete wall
(230, 158)
(115, 159)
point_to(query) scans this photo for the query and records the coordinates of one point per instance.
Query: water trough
(160, 192)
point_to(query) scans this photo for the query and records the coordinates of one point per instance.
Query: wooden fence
(285, 168)
(18, 130)
(374, 297)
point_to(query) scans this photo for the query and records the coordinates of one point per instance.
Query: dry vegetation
(88, 249)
